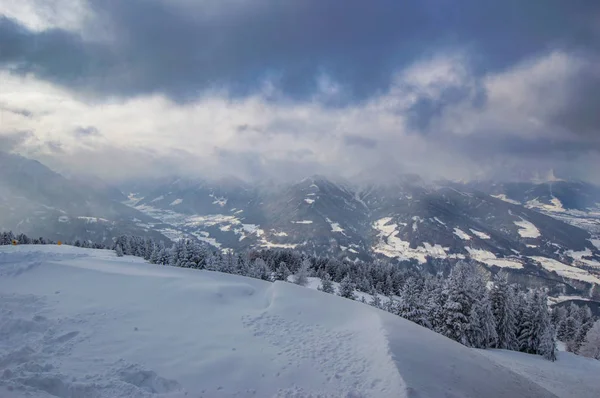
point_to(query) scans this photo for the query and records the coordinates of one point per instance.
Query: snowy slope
(84, 323)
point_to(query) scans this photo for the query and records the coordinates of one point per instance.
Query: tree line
(461, 305)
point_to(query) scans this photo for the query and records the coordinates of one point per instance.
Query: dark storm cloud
(581, 111)
(181, 50)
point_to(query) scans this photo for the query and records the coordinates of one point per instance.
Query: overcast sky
(288, 88)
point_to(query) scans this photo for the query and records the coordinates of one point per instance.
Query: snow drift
(84, 323)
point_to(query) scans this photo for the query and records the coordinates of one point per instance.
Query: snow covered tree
(587, 322)
(119, 250)
(282, 272)
(301, 277)
(547, 347)
(571, 328)
(591, 344)
(504, 311)
(410, 306)
(259, 270)
(457, 308)
(326, 284)
(482, 323)
(375, 299)
(347, 288)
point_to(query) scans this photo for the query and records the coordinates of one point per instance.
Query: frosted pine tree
(504, 311)
(301, 277)
(375, 299)
(591, 344)
(119, 250)
(347, 288)
(527, 337)
(410, 306)
(587, 321)
(326, 284)
(572, 328)
(547, 347)
(283, 272)
(457, 308)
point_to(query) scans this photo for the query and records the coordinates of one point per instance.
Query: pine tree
(482, 324)
(527, 337)
(457, 308)
(547, 347)
(591, 344)
(119, 251)
(347, 288)
(375, 299)
(282, 272)
(301, 277)
(504, 311)
(410, 306)
(572, 328)
(587, 321)
(326, 284)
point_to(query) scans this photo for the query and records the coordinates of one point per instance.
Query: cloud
(270, 89)
(184, 48)
(12, 140)
(355, 140)
(84, 132)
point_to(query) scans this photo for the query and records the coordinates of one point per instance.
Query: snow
(527, 229)
(309, 201)
(63, 219)
(220, 201)
(479, 234)
(281, 233)
(490, 258)
(555, 205)
(565, 270)
(92, 220)
(570, 376)
(595, 242)
(390, 245)
(205, 237)
(302, 222)
(158, 198)
(335, 227)
(578, 256)
(560, 299)
(176, 202)
(438, 220)
(506, 199)
(461, 234)
(84, 323)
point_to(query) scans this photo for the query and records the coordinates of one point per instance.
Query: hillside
(82, 322)
(405, 219)
(40, 202)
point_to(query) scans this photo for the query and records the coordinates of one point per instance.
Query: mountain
(39, 202)
(82, 322)
(541, 234)
(405, 218)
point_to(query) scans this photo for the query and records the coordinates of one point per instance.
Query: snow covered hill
(84, 323)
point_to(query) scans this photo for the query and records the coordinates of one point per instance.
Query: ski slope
(84, 323)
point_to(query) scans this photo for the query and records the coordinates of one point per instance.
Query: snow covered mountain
(404, 219)
(74, 324)
(39, 202)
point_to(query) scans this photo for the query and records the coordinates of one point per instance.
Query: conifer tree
(326, 284)
(504, 311)
(347, 288)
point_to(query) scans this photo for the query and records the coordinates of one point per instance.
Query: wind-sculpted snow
(84, 323)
